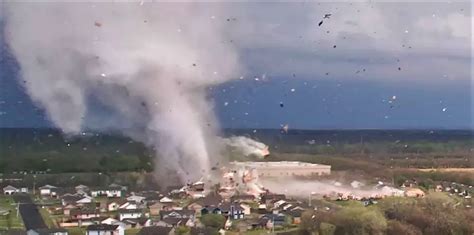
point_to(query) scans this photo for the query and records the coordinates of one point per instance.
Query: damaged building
(283, 168)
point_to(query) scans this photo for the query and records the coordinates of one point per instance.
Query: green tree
(359, 220)
(215, 221)
(182, 230)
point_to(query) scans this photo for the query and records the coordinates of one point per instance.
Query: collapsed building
(283, 168)
(243, 177)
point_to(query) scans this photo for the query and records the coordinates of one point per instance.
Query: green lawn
(132, 231)
(9, 220)
(76, 231)
(47, 217)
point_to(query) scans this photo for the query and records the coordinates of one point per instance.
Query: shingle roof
(155, 230)
(102, 227)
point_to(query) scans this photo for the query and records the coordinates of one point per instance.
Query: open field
(464, 170)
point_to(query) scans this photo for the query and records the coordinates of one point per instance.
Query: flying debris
(326, 16)
(334, 46)
(320, 23)
(282, 105)
(444, 109)
(284, 128)
(399, 68)
(98, 24)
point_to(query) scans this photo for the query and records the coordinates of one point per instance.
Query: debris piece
(320, 23)
(281, 104)
(98, 24)
(326, 16)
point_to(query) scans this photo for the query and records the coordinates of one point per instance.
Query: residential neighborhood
(116, 210)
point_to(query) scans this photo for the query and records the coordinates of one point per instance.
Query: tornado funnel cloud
(149, 65)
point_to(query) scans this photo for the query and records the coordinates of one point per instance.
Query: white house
(130, 214)
(84, 200)
(166, 200)
(113, 206)
(105, 229)
(110, 192)
(46, 190)
(246, 208)
(10, 190)
(109, 220)
(128, 206)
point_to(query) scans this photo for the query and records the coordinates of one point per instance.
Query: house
(130, 214)
(137, 223)
(154, 230)
(275, 220)
(75, 199)
(114, 205)
(67, 209)
(47, 231)
(109, 220)
(180, 214)
(136, 199)
(10, 190)
(246, 208)
(295, 215)
(151, 197)
(229, 210)
(112, 191)
(105, 229)
(84, 214)
(232, 211)
(82, 189)
(268, 198)
(128, 206)
(46, 190)
(263, 222)
(164, 203)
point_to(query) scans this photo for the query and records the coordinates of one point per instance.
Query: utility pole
(34, 185)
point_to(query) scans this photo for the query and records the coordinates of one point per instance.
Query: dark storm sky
(386, 65)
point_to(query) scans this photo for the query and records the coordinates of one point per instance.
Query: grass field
(465, 170)
(9, 220)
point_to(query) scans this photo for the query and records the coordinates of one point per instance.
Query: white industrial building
(283, 168)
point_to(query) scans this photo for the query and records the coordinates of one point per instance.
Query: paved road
(29, 212)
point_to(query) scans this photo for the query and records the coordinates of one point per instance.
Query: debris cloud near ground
(247, 146)
(141, 69)
(304, 188)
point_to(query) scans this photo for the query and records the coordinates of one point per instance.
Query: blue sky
(395, 65)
